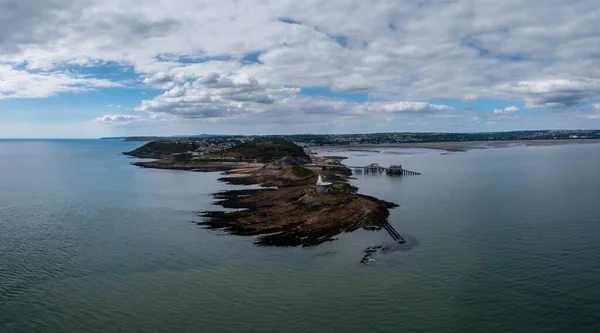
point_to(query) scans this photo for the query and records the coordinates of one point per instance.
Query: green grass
(166, 147)
(267, 150)
(301, 172)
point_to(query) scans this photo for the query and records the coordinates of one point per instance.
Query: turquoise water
(502, 240)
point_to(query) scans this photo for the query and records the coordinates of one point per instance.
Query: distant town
(206, 144)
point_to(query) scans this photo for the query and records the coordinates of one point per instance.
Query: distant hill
(144, 138)
(160, 149)
(260, 150)
(416, 137)
(393, 137)
(161, 138)
(264, 151)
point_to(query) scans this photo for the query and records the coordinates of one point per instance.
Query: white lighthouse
(323, 187)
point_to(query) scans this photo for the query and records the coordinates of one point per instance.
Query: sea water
(500, 240)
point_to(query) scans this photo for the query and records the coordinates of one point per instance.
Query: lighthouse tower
(323, 187)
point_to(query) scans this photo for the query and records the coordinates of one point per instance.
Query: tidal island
(304, 200)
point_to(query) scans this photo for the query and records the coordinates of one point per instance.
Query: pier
(392, 170)
(375, 168)
(371, 168)
(390, 230)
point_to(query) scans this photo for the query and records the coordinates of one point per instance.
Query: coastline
(465, 145)
(287, 210)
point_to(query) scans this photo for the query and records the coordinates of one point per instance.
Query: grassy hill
(260, 150)
(158, 149)
(264, 151)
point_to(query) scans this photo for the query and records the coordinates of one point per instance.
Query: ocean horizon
(501, 239)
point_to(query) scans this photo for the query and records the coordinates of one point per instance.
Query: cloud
(470, 98)
(227, 96)
(506, 110)
(117, 119)
(540, 52)
(160, 79)
(554, 94)
(28, 24)
(414, 107)
(596, 107)
(16, 83)
(217, 96)
(165, 81)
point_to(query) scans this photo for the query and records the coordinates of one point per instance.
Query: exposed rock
(292, 214)
(282, 164)
(310, 200)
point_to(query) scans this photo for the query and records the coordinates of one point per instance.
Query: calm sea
(502, 240)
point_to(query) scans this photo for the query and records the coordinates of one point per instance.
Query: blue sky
(104, 68)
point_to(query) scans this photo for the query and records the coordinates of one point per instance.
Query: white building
(323, 187)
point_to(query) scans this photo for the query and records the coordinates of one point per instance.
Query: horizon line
(273, 134)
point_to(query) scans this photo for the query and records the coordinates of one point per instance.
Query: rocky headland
(287, 210)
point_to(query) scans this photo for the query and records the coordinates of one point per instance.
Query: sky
(92, 68)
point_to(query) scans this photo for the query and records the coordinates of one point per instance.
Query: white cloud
(117, 119)
(541, 52)
(596, 107)
(470, 98)
(165, 80)
(217, 96)
(554, 93)
(506, 110)
(224, 96)
(413, 107)
(16, 83)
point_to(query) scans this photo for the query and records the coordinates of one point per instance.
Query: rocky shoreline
(287, 210)
(293, 216)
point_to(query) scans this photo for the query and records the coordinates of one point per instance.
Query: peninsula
(288, 210)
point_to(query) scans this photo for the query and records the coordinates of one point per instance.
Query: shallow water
(500, 240)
